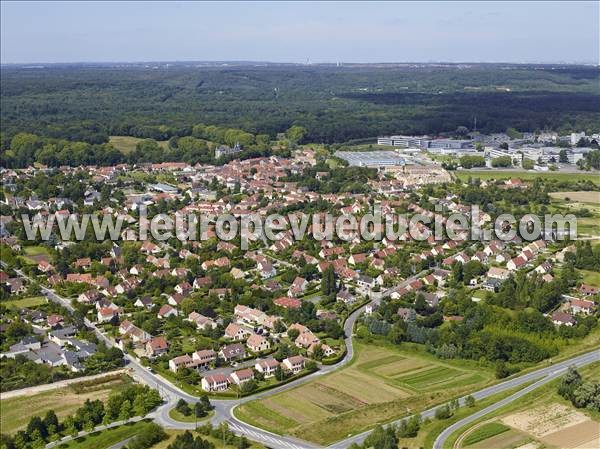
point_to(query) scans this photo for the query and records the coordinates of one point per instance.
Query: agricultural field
(381, 384)
(127, 144)
(581, 197)
(17, 411)
(485, 175)
(542, 418)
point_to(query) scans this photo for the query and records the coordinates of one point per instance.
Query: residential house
(257, 343)
(236, 332)
(242, 376)
(295, 364)
(215, 382)
(563, 319)
(167, 311)
(232, 352)
(204, 357)
(157, 346)
(267, 367)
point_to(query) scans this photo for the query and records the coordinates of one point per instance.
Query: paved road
(224, 408)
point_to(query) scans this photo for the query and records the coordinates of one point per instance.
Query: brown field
(585, 435)
(543, 420)
(583, 196)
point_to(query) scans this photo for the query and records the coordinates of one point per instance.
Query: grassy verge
(106, 438)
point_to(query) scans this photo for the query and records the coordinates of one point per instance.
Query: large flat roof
(371, 158)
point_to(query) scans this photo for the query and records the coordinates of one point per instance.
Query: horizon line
(298, 63)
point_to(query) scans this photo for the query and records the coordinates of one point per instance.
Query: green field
(127, 144)
(16, 412)
(31, 301)
(463, 175)
(381, 384)
(484, 432)
(106, 438)
(591, 277)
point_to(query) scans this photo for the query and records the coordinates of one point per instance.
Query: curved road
(224, 408)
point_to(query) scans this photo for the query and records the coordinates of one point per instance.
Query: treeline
(91, 103)
(582, 393)
(339, 180)
(507, 340)
(134, 400)
(24, 149)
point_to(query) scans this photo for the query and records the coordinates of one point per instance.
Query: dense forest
(335, 104)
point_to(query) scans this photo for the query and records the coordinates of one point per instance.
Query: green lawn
(31, 301)
(106, 438)
(591, 277)
(127, 144)
(484, 432)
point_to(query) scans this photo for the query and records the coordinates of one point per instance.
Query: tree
(126, 411)
(51, 422)
(470, 401)
(563, 156)
(443, 412)
(293, 334)
(296, 133)
(328, 284)
(502, 161)
(183, 407)
(199, 410)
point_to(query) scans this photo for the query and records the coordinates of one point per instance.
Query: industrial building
(371, 158)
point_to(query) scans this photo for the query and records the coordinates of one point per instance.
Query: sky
(539, 31)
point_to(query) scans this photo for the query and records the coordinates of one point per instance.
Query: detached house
(157, 346)
(215, 382)
(232, 352)
(167, 311)
(267, 367)
(295, 364)
(258, 343)
(236, 332)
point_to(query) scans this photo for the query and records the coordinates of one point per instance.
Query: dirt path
(53, 386)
